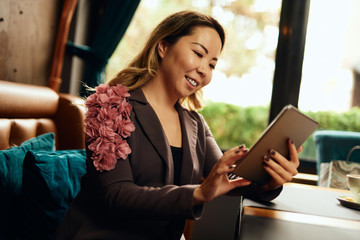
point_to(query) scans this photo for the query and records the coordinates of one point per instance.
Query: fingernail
(237, 151)
(246, 150)
(291, 141)
(242, 146)
(266, 158)
(272, 152)
(265, 164)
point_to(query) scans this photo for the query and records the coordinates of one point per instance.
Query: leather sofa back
(27, 111)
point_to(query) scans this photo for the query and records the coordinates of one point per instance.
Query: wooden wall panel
(27, 38)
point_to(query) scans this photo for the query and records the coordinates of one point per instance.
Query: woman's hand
(218, 183)
(280, 168)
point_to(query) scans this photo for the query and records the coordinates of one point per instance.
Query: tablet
(290, 123)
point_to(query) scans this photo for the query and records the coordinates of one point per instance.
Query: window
(332, 56)
(331, 62)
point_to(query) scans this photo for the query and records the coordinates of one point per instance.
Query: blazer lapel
(151, 125)
(190, 162)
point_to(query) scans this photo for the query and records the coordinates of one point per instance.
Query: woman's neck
(158, 96)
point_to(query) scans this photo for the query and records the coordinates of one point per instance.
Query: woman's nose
(202, 69)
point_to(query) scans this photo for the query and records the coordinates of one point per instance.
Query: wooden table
(300, 212)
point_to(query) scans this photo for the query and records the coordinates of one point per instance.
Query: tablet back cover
(290, 123)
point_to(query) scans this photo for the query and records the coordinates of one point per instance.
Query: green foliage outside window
(233, 125)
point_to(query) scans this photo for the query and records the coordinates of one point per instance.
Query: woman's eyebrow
(203, 47)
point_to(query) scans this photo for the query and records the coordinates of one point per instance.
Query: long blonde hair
(144, 66)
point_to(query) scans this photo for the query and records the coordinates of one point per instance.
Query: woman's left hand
(280, 168)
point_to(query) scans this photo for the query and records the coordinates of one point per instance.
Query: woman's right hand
(218, 183)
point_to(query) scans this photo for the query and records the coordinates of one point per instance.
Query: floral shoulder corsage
(107, 125)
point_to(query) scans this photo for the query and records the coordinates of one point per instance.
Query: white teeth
(192, 82)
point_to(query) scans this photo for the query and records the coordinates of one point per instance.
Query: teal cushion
(51, 180)
(335, 145)
(11, 161)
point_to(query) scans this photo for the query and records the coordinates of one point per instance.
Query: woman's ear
(162, 48)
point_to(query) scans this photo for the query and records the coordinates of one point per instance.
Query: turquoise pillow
(11, 161)
(51, 181)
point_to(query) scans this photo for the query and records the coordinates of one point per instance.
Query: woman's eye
(198, 54)
(212, 66)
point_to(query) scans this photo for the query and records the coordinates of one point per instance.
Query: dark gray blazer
(138, 199)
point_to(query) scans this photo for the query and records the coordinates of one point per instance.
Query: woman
(150, 182)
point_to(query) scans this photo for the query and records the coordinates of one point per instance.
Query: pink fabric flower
(107, 125)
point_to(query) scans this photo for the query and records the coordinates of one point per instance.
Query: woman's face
(188, 65)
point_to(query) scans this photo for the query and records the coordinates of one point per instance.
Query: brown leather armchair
(27, 111)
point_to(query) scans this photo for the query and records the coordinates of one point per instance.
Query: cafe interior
(49, 49)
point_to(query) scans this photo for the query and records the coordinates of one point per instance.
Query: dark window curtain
(116, 19)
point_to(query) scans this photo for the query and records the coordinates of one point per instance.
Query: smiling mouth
(191, 81)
